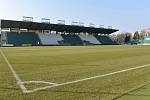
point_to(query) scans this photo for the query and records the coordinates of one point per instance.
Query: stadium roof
(54, 27)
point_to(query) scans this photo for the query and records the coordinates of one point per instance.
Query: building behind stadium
(146, 40)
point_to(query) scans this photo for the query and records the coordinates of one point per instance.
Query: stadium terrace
(29, 33)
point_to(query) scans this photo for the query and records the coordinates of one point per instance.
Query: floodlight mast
(92, 25)
(27, 19)
(74, 23)
(101, 26)
(61, 22)
(77, 23)
(81, 23)
(45, 20)
(109, 27)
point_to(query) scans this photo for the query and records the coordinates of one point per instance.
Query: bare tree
(122, 38)
(136, 36)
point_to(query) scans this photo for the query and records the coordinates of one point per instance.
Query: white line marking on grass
(44, 82)
(52, 85)
(85, 79)
(23, 88)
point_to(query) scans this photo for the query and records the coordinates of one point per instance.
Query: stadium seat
(89, 38)
(18, 39)
(104, 39)
(50, 39)
(72, 39)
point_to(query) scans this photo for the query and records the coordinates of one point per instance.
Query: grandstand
(22, 33)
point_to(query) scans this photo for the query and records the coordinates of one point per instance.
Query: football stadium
(46, 61)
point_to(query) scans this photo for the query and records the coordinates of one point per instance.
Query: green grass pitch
(69, 63)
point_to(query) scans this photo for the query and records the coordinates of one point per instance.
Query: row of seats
(90, 38)
(32, 38)
(104, 40)
(22, 38)
(50, 39)
(72, 39)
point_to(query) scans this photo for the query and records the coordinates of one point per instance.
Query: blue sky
(126, 15)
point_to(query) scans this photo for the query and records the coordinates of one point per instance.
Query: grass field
(64, 64)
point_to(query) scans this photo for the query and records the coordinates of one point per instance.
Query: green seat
(19, 39)
(72, 39)
(104, 40)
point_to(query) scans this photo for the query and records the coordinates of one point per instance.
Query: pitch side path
(75, 73)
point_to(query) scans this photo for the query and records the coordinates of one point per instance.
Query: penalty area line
(22, 87)
(90, 78)
(42, 82)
